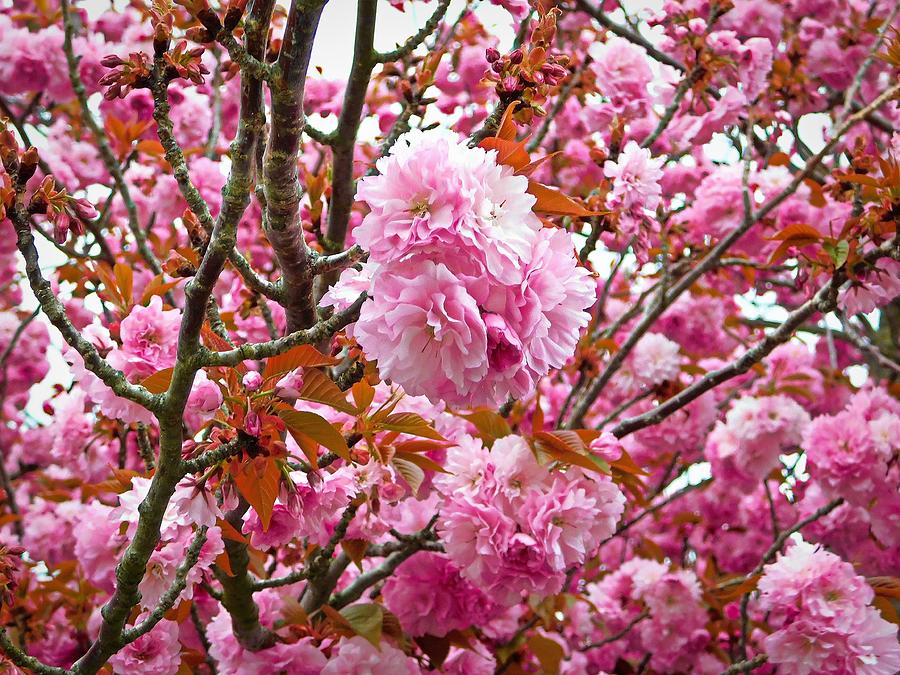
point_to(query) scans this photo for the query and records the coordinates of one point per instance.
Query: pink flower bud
(252, 381)
(491, 54)
(111, 61)
(290, 385)
(607, 447)
(391, 492)
(516, 56)
(84, 209)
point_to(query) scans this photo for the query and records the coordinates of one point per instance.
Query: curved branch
(103, 147)
(263, 350)
(23, 660)
(823, 301)
(170, 596)
(56, 315)
(414, 41)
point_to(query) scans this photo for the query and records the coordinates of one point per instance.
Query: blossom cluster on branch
(560, 336)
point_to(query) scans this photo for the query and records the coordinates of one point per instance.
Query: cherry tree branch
(170, 596)
(710, 260)
(338, 261)
(251, 65)
(418, 542)
(344, 139)
(629, 34)
(23, 660)
(768, 557)
(280, 175)
(825, 300)
(56, 314)
(414, 41)
(746, 666)
(617, 636)
(263, 350)
(237, 590)
(103, 147)
(850, 95)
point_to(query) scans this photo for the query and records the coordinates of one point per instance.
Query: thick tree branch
(342, 185)
(237, 591)
(280, 185)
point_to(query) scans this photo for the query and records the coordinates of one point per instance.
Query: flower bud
(252, 381)
(491, 55)
(28, 165)
(111, 61)
(233, 15)
(198, 34)
(61, 228)
(84, 209)
(289, 386)
(516, 56)
(210, 21)
(554, 71)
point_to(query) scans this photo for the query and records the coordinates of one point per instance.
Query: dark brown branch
(344, 141)
(280, 184)
(824, 301)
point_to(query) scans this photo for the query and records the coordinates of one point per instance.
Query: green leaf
(838, 252)
(304, 425)
(366, 620)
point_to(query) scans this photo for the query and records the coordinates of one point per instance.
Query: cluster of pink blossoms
(853, 455)
(673, 629)
(149, 338)
(745, 447)
(512, 526)
(823, 615)
(471, 301)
